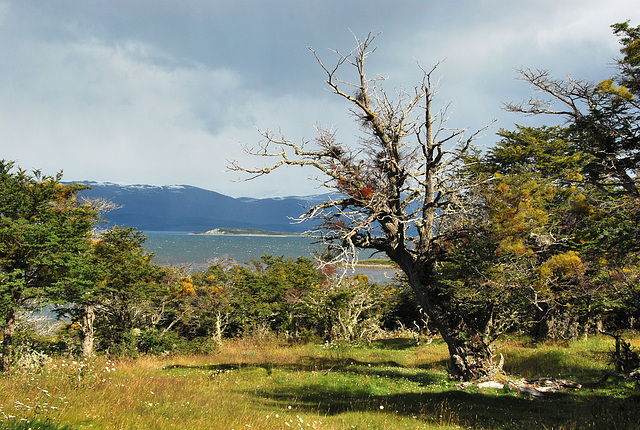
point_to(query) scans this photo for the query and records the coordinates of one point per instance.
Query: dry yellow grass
(265, 385)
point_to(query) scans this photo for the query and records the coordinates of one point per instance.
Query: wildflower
(381, 407)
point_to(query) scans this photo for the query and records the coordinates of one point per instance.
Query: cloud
(127, 112)
(127, 92)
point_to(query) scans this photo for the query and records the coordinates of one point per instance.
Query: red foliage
(366, 192)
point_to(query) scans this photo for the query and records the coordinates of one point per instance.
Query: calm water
(199, 249)
(178, 248)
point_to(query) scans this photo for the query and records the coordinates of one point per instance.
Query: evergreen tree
(42, 229)
(111, 288)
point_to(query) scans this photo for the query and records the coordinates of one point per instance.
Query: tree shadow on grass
(474, 408)
(468, 409)
(424, 376)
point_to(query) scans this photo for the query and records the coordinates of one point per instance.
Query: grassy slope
(391, 385)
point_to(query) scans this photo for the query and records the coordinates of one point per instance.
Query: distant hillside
(187, 208)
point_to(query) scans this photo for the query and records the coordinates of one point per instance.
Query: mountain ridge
(193, 209)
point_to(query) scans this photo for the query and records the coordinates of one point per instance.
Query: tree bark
(470, 358)
(7, 340)
(470, 355)
(87, 330)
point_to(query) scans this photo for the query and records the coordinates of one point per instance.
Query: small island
(247, 232)
(376, 263)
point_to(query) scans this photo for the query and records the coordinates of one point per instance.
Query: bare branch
(100, 205)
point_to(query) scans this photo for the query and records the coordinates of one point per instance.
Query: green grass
(388, 385)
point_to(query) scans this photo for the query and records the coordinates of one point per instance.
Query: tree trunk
(470, 358)
(86, 331)
(7, 340)
(220, 323)
(470, 354)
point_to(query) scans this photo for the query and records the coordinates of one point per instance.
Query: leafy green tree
(604, 119)
(630, 62)
(288, 281)
(200, 304)
(267, 295)
(42, 228)
(603, 125)
(111, 289)
(535, 210)
(551, 238)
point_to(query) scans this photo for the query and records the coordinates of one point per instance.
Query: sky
(167, 92)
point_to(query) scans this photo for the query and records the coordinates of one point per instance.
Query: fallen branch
(554, 383)
(531, 388)
(527, 390)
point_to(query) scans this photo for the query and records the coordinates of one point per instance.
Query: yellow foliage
(187, 286)
(607, 86)
(362, 279)
(562, 265)
(216, 289)
(513, 246)
(502, 188)
(603, 261)
(574, 176)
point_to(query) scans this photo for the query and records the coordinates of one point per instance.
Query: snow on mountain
(188, 208)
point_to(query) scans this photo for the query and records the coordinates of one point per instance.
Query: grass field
(391, 384)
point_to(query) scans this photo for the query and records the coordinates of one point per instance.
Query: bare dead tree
(100, 205)
(399, 188)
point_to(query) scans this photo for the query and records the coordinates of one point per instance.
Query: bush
(158, 343)
(29, 359)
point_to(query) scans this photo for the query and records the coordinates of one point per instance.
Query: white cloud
(125, 112)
